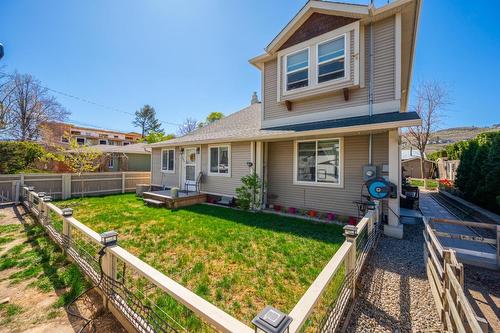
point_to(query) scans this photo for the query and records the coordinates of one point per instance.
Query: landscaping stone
(394, 294)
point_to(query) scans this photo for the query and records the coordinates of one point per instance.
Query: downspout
(370, 84)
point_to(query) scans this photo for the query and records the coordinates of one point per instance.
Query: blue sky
(189, 58)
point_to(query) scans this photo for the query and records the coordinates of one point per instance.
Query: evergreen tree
(146, 120)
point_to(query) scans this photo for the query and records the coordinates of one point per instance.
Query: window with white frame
(331, 60)
(219, 160)
(111, 163)
(318, 162)
(168, 160)
(297, 70)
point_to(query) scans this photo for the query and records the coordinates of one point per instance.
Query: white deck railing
(315, 310)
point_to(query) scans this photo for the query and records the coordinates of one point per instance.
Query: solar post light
(47, 198)
(67, 212)
(41, 194)
(109, 238)
(271, 320)
(31, 188)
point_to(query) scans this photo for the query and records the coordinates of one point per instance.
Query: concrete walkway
(431, 208)
(394, 294)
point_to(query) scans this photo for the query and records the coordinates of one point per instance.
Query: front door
(190, 169)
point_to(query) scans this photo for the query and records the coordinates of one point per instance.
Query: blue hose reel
(379, 188)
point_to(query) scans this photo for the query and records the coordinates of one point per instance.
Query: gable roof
(316, 6)
(136, 148)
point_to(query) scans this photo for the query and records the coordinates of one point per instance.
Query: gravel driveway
(394, 293)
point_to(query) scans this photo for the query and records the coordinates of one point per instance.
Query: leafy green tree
(248, 195)
(146, 120)
(17, 156)
(80, 159)
(153, 137)
(214, 116)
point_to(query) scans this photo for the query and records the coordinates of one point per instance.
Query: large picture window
(219, 160)
(168, 160)
(318, 162)
(331, 60)
(297, 70)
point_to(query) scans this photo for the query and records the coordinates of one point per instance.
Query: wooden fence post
(498, 246)
(123, 182)
(66, 186)
(109, 269)
(66, 234)
(350, 233)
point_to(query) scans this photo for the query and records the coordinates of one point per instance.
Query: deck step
(153, 202)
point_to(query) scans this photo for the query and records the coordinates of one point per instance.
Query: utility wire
(84, 100)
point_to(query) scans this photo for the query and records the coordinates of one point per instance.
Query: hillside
(447, 136)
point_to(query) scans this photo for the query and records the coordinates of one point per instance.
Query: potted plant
(312, 213)
(277, 208)
(352, 220)
(292, 210)
(330, 216)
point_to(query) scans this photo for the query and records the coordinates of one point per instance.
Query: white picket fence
(131, 287)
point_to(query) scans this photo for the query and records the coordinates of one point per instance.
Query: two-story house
(335, 89)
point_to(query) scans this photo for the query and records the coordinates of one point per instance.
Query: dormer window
(331, 60)
(297, 70)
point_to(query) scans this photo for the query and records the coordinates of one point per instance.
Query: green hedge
(478, 176)
(17, 156)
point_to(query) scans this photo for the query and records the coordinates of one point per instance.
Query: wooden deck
(184, 199)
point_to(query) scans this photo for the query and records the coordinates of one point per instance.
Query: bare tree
(431, 99)
(188, 126)
(26, 106)
(6, 90)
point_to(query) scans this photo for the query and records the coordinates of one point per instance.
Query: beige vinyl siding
(384, 77)
(163, 178)
(282, 191)
(240, 155)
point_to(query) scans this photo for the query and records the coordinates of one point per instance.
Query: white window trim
(111, 163)
(318, 63)
(340, 184)
(308, 69)
(352, 29)
(161, 158)
(218, 174)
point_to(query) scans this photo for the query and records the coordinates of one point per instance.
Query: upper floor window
(297, 70)
(168, 160)
(80, 141)
(331, 60)
(111, 163)
(103, 142)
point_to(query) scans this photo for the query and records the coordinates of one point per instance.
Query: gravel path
(394, 294)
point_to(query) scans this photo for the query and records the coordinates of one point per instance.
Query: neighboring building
(59, 134)
(133, 157)
(328, 109)
(410, 165)
(447, 169)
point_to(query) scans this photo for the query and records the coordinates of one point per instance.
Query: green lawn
(431, 183)
(240, 261)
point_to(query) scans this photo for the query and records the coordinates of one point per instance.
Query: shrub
(248, 195)
(16, 156)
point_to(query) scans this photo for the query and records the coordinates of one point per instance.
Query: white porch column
(259, 165)
(394, 228)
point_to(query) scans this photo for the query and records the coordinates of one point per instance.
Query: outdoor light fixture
(31, 188)
(47, 198)
(197, 150)
(67, 212)
(109, 238)
(350, 230)
(271, 320)
(182, 150)
(249, 164)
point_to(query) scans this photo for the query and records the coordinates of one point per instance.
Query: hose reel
(379, 188)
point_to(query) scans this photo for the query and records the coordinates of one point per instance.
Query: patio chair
(196, 185)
